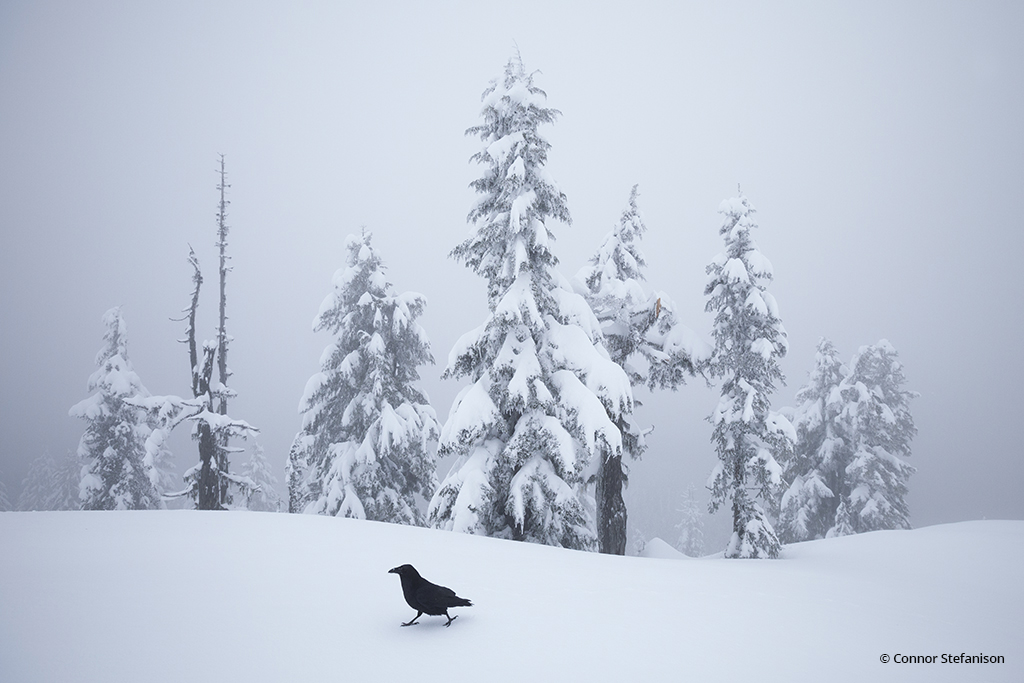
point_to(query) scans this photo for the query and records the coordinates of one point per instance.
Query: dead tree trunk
(222, 335)
(207, 493)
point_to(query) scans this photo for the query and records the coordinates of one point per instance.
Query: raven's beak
(393, 571)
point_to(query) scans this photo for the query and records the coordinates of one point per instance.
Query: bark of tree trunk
(209, 482)
(611, 509)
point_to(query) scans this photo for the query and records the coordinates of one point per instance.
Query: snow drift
(183, 595)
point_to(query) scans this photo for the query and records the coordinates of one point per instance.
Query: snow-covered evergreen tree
(641, 330)
(691, 525)
(114, 476)
(5, 501)
(364, 450)
(65, 490)
(52, 484)
(35, 489)
(644, 337)
(264, 496)
(749, 342)
(879, 425)
(638, 541)
(544, 398)
(817, 469)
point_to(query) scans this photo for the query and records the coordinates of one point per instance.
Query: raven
(426, 597)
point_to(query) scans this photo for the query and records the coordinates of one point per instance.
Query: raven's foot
(410, 623)
(451, 619)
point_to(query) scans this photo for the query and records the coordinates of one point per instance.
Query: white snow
(735, 271)
(182, 595)
(472, 410)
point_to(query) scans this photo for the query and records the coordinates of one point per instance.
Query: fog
(881, 144)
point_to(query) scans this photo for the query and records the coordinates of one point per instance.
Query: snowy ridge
(308, 598)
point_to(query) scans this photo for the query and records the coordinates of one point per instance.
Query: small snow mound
(660, 550)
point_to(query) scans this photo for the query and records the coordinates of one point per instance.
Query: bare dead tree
(222, 335)
(208, 482)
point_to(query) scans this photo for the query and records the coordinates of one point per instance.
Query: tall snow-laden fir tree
(749, 342)
(644, 337)
(691, 525)
(877, 419)
(364, 450)
(263, 497)
(544, 399)
(114, 475)
(816, 469)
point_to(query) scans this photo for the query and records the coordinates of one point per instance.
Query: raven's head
(404, 570)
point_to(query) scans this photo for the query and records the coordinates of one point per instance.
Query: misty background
(881, 144)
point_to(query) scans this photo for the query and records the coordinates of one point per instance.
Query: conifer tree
(35, 489)
(544, 398)
(364, 450)
(263, 497)
(691, 525)
(880, 427)
(749, 342)
(114, 476)
(817, 469)
(644, 337)
(65, 487)
(5, 501)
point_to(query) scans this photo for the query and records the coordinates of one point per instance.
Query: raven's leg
(412, 622)
(450, 619)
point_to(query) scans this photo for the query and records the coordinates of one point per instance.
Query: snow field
(184, 595)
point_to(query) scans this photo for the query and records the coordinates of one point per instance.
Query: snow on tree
(644, 337)
(816, 469)
(544, 399)
(691, 525)
(159, 460)
(879, 425)
(364, 450)
(114, 476)
(263, 497)
(749, 342)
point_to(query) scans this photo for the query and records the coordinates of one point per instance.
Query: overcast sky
(881, 144)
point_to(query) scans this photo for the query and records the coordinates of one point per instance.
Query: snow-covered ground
(192, 596)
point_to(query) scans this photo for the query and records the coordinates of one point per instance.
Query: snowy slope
(183, 595)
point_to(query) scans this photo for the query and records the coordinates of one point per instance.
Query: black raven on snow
(426, 597)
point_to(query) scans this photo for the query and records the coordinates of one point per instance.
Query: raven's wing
(436, 599)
